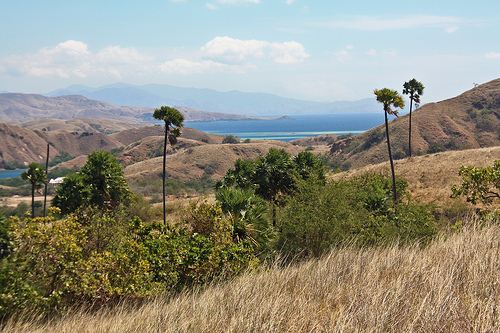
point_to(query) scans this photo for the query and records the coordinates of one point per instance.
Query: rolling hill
(16, 108)
(470, 120)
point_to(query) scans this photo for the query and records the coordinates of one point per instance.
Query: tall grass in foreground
(453, 285)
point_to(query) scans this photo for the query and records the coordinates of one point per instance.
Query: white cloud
(493, 55)
(289, 2)
(73, 59)
(222, 54)
(288, 52)
(211, 6)
(235, 51)
(451, 30)
(375, 23)
(371, 52)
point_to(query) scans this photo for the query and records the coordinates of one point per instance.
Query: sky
(317, 50)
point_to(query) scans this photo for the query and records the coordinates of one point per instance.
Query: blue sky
(314, 50)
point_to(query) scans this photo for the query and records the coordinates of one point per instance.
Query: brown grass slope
(214, 159)
(430, 177)
(21, 145)
(25, 107)
(470, 120)
(79, 143)
(151, 147)
(106, 126)
(129, 136)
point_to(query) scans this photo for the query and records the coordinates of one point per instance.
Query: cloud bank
(222, 54)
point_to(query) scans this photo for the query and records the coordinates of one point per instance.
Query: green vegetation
(479, 184)
(100, 182)
(360, 209)
(62, 157)
(230, 139)
(36, 176)
(98, 257)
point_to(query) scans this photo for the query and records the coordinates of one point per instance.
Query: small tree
(174, 120)
(36, 175)
(100, 182)
(413, 88)
(478, 183)
(390, 98)
(230, 139)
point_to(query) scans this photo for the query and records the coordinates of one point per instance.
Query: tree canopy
(100, 182)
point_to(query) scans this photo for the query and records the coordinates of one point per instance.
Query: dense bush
(361, 209)
(230, 139)
(96, 257)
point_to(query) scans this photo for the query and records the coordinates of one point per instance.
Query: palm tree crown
(413, 88)
(35, 174)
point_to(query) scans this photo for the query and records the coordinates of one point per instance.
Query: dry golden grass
(430, 177)
(450, 286)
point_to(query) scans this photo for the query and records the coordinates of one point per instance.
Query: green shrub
(319, 217)
(230, 139)
(435, 148)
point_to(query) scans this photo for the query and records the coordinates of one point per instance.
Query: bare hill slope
(106, 126)
(214, 160)
(470, 120)
(133, 135)
(21, 145)
(25, 107)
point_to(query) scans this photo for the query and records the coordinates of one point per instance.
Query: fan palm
(174, 120)
(413, 88)
(390, 98)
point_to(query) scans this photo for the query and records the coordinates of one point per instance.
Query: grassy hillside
(214, 160)
(105, 126)
(21, 146)
(470, 120)
(450, 286)
(430, 177)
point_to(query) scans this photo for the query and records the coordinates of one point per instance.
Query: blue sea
(300, 126)
(10, 173)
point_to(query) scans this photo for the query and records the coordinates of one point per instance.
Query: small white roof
(58, 180)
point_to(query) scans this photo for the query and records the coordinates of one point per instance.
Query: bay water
(300, 126)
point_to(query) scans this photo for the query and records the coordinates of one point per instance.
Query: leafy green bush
(319, 217)
(230, 139)
(435, 148)
(97, 257)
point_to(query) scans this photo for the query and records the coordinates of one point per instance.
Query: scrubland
(451, 285)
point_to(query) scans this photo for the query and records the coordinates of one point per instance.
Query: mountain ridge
(243, 103)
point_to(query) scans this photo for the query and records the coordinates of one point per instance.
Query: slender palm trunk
(164, 168)
(409, 137)
(46, 181)
(33, 200)
(390, 158)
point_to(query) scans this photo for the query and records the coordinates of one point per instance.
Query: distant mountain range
(236, 102)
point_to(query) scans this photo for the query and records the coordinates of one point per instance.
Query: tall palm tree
(413, 88)
(174, 120)
(390, 98)
(35, 174)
